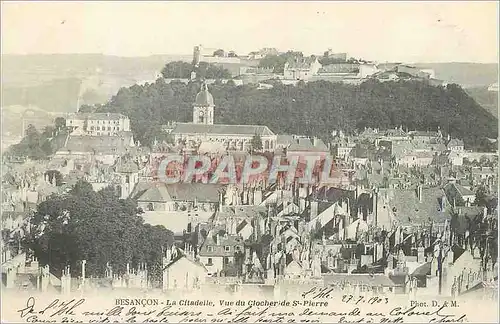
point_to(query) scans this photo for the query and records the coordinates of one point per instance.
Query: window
(209, 261)
(227, 248)
(109, 128)
(226, 260)
(91, 128)
(210, 248)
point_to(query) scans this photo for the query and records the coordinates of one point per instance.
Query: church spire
(203, 107)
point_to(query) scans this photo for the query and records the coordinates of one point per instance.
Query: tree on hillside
(220, 53)
(97, 227)
(326, 59)
(177, 70)
(60, 123)
(36, 145)
(277, 62)
(30, 146)
(86, 108)
(313, 109)
(204, 70)
(256, 143)
(212, 71)
(54, 175)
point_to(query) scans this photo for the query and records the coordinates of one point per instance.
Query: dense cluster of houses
(403, 217)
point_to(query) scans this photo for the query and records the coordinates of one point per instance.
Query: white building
(301, 69)
(98, 124)
(181, 271)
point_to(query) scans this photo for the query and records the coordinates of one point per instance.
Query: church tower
(203, 107)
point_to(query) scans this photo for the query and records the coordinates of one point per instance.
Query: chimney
(169, 254)
(218, 238)
(314, 209)
(421, 254)
(257, 198)
(375, 206)
(419, 193)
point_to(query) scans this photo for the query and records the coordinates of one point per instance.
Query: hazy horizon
(430, 32)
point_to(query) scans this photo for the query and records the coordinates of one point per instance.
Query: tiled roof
(455, 192)
(464, 191)
(423, 270)
(194, 191)
(305, 144)
(304, 63)
(408, 209)
(220, 129)
(156, 193)
(359, 279)
(483, 171)
(180, 254)
(455, 142)
(395, 132)
(14, 262)
(127, 167)
(97, 116)
(99, 144)
(340, 68)
(161, 192)
(424, 133)
(284, 140)
(463, 216)
(212, 247)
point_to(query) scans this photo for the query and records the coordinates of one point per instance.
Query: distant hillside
(13, 124)
(465, 74)
(57, 83)
(58, 95)
(487, 99)
(25, 70)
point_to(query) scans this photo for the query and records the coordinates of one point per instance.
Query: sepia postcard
(249, 162)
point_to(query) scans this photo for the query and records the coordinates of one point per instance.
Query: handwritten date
(55, 308)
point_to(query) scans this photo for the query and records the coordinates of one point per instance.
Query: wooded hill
(313, 109)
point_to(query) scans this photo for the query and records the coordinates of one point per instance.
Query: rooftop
(97, 116)
(98, 144)
(409, 209)
(204, 98)
(161, 192)
(220, 129)
(359, 279)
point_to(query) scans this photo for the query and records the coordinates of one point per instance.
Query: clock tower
(203, 107)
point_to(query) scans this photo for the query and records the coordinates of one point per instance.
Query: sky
(383, 31)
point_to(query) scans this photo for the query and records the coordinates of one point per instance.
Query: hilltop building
(98, 124)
